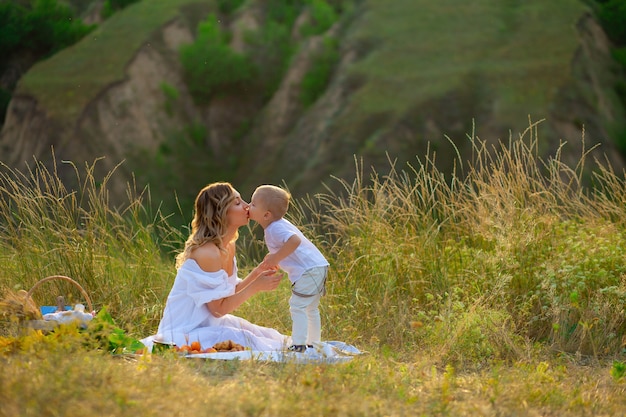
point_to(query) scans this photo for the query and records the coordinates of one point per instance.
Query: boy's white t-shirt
(306, 255)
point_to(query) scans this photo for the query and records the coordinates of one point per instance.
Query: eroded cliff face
(284, 140)
(311, 146)
(131, 115)
(589, 105)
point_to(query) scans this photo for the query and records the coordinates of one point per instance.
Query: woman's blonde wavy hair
(209, 221)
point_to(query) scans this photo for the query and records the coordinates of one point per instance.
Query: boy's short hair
(275, 199)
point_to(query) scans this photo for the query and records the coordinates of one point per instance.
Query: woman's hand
(263, 266)
(268, 280)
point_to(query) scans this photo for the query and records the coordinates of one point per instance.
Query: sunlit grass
(498, 289)
(118, 255)
(516, 249)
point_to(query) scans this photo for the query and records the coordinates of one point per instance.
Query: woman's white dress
(186, 317)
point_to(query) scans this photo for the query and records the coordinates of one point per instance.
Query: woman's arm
(211, 259)
(265, 281)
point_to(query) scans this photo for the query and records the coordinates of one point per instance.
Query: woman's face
(237, 212)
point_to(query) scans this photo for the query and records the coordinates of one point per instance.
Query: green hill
(67, 82)
(410, 75)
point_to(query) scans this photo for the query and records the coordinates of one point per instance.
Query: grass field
(499, 293)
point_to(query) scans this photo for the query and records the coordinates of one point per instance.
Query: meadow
(496, 290)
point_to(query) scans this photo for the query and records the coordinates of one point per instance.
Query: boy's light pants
(304, 306)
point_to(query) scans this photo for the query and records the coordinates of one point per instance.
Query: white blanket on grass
(322, 352)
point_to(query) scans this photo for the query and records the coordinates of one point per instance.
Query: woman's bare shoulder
(208, 257)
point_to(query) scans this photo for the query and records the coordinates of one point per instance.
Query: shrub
(52, 27)
(323, 16)
(228, 6)
(270, 49)
(317, 77)
(111, 6)
(210, 67)
(171, 96)
(41, 27)
(284, 11)
(612, 14)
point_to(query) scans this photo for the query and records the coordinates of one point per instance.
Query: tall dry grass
(498, 289)
(119, 255)
(478, 264)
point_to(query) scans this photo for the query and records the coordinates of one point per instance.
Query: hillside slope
(409, 73)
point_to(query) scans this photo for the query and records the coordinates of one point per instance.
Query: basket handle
(64, 278)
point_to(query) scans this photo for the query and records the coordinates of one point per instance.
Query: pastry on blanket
(228, 346)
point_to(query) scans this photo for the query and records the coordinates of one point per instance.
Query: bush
(316, 79)
(323, 16)
(284, 11)
(42, 27)
(111, 6)
(37, 29)
(52, 26)
(228, 6)
(612, 16)
(270, 49)
(171, 95)
(12, 28)
(210, 67)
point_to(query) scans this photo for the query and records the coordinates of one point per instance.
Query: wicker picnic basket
(60, 301)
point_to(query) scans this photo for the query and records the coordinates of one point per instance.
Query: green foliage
(229, 6)
(317, 77)
(618, 371)
(171, 96)
(54, 27)
(612, 16)
(270, 49)
(620, 55)
(284, 12)
(323, 16)
(103, 333)
(42, 27)
(183, 154)
(34, 29)
(111, 6)
(210, 67)
(12, 31)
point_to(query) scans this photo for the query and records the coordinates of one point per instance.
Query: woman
(207, 289)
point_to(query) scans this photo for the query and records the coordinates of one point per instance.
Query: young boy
(290, 250)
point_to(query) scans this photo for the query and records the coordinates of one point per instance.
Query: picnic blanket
(321, 352)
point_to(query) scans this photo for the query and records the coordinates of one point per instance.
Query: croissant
(228, 346)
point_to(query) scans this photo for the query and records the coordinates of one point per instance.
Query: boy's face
(257, 208)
